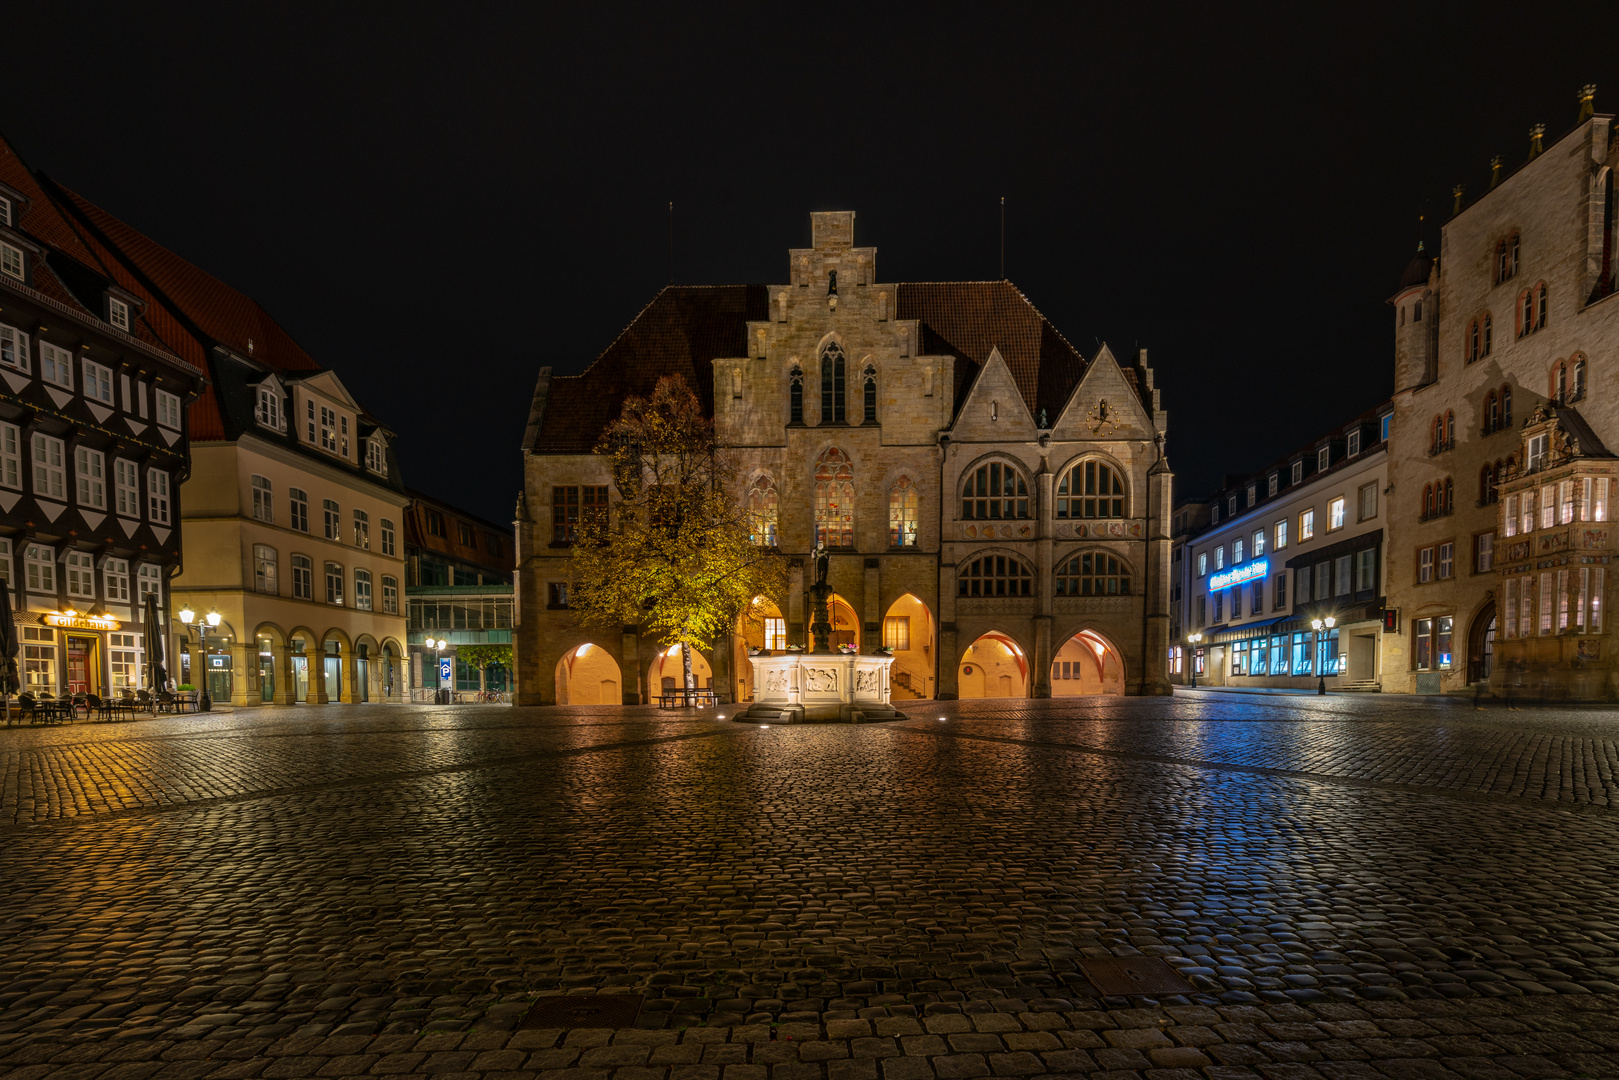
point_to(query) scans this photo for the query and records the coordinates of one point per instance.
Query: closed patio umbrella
(157, 677)
(9, 683)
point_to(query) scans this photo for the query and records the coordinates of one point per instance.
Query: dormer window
(11, 261)
(118, 313)
(328, 429)
(268, 410)
(1354, 443)
(376, 457)
(5, 212)
(345, 425)
(1535, 458)
(1322, 458)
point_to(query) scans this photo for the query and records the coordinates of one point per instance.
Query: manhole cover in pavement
(584, 1011)
(1120, 976)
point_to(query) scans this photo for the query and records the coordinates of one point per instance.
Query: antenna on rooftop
(1003, 237)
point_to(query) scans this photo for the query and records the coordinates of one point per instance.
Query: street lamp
(189, 618)
(1320, 651)
(1191, 659)
(440, 695)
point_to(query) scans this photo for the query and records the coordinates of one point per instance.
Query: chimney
(1536, 134)
(1587, 92)
(1495, 172)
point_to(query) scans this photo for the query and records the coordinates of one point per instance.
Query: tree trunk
(685, 666)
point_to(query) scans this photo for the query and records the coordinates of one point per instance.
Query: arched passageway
(994, 666)
(761, 628)
(1087, 663)
(667, 672)
(845, 623)
(588, 675)
(908, 634)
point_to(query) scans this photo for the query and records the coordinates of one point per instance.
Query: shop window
(1433, 644)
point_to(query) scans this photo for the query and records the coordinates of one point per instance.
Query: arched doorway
(1481, 644)
(760, 628)
(1087, 663)
(908, 634)
(845, 623)
(668, 673)
(331, 657)
(588, 675)
(994, 666)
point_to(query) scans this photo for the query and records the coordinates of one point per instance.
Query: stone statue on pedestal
(820, 609)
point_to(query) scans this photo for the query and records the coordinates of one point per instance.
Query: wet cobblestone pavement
(1356, 887)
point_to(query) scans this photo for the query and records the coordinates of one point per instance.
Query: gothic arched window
(1492, 412)
(869, 390)
(1091, 489)
(995, 575)
(1487, 335)
(834, 499)
(903, 503)
(1577, 392)
(795, 394)
(763, 511)
(993, 492)
(1506, 406)
(832, 373)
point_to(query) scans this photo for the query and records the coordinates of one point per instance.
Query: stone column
(284, 693)
(244, 676)
(871, 626)
(348, 671)
(632, 676)
(315, 661)
(1040, 674)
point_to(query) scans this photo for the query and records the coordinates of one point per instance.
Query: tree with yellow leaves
(675, 553)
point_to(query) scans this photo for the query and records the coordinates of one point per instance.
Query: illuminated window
(263, 500)
(897, 633)
(1306, 526)
(775, 633)
(902, 513)
(1335, 513)
(264, 570)
(834, 499)
(1281, 534)
(762, 511)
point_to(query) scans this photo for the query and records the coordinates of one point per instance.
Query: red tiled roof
(686, 327)
(229, 317)
(681, 332)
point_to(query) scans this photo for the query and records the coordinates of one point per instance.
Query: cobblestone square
(1357, 886)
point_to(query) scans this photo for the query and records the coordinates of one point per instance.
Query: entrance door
(363, 675)
(266, 679)
(82, 666)
(300, 678)
(334, 682)
(219, 675)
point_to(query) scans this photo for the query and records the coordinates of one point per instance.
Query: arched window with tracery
(1526, 313)
(1427, 501)
(1492, 412)
(834, 499)
(1450, 428)
(1092, 573)
(1091, 489)
(868, 381)
(903, 515)
(993, 492)
(995, 575)
(763, 511)
(832, 373)
(1540, 305)
(1487, 335)
(795, 395)
(1472, 341)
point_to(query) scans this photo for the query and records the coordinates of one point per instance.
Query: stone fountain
(824, 685)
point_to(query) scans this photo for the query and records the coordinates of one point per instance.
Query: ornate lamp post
(189, 618)
(1321, 652)
(1191, 658)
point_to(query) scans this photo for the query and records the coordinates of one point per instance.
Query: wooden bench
(684, 699)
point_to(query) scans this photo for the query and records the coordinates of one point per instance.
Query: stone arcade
(995, 504)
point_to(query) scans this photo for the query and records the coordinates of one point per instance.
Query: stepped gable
(686, 327)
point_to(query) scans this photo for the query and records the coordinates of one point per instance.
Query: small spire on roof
(1536, 134)
(1496, 172)
(1456, 195)
(1587, 92)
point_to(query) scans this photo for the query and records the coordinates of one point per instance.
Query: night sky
(436, 200)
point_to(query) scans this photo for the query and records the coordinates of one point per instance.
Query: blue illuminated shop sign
(1248, 571)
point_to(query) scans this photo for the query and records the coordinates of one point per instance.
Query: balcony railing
(1435, 449)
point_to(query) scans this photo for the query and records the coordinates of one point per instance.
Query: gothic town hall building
(996, 504)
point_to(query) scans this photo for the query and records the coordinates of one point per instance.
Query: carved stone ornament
(821, 680)
(865, 682)
(776, 682)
